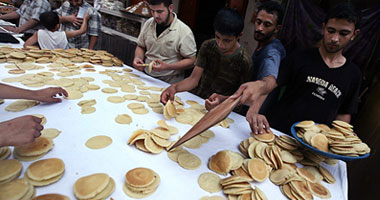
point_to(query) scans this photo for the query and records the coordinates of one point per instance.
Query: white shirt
(52, 40)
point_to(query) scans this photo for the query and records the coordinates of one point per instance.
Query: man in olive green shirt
(222, 64)
(167, 41)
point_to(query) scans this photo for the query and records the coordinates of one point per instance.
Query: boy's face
(337, 33)
(226, 43)
(161, 13)
(265, 26)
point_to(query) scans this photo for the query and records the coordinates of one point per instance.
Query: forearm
(93, 40)
(344, 117)
(10, 92)
(11, 15)
(266, 85)
(258, 103)
(63, 19)
(182, 64)
(28, 25)
(83, 29)
(185, 85)
(140, 53)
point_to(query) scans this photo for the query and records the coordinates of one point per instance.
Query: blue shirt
(267, 60)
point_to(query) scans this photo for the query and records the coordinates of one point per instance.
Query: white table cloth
(118, 158)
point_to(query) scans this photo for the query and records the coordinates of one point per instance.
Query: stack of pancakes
(34, 150)
(18, 189)
(9, 170)
(95, 186)
(45, 172)
(141, 182)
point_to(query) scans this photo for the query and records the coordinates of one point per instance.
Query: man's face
(265, 26)
(337, 33)
(75, 3)
(226, 43)
(161, 13)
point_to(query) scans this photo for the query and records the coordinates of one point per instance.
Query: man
(269, 52)
(321, 84)
(28, 15)
(70, 22)
(25, 129)
(167, 41)
(222, 63)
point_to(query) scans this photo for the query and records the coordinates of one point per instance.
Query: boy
(52, 38)
(321, 83)
(221, 65)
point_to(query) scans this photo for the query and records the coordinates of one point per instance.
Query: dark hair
(344, 11)
(228, 22)
(273, 8)
(158, 2)
(49, 20)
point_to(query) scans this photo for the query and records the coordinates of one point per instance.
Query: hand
(19, 131)
(74, 20)
(138, 64)
(49, 94)
(257, 122)
(213, 101)
(159, 66)
(86, 16)
(11, 29)
(249, 91)
(168, 94)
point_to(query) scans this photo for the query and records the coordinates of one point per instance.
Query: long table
(118, 158)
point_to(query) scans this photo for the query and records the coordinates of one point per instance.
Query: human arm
(251, 91)
(187, 49)
(83, 28)
(184, 85)
(28, 25)
(20, 130)
(11, 15)
(138, 61)
(44, 95)
(182, 64)
(93, 40)
(71, 19)
(32, 40)
(344, 117)
(214, 100)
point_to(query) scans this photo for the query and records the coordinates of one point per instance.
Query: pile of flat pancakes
(170, 110)
(31, 54)
(18, 189)
(138, 108)
(87, 106)
(45, 172)
(225, 161)
(94, 186)
(21, 105)
(268, 155)
(238, 187)
(193, 114)
(338, 140)
(34, 150)
(155, 140)
(9, 170)
(51, 197)
(5, 152)
(141, 182)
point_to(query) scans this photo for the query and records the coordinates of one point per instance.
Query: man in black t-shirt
(321, 84)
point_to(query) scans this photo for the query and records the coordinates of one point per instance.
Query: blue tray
(329, 155)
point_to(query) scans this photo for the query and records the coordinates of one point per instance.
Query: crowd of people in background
(318, 84)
